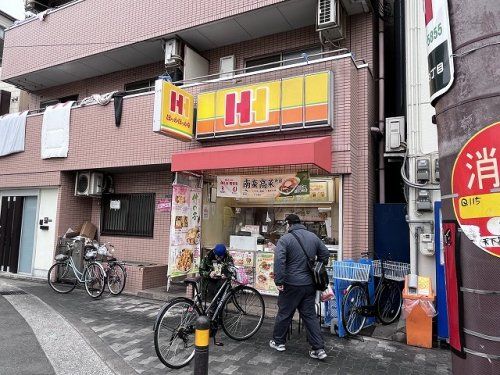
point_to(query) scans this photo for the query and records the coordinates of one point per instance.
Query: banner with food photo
(264, 186)
(184, 253)
(245, 259)
(264, 275)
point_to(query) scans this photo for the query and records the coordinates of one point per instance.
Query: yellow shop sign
(173, 111)
(289, 103)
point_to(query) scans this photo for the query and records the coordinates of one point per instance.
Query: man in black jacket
(294, 280)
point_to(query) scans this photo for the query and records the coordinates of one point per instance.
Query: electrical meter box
(426, 244)
(424, 201)
(435, 167)
(423, 170)
(394, 134)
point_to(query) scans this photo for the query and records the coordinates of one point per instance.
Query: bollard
(201, 342)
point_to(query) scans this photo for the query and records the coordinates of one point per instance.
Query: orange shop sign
(173, 111)
(289, 103)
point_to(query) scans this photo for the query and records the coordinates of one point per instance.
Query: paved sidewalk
(125, 324)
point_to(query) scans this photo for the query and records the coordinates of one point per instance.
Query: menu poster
(184, 252)
(244, 259)
(264, 186)
(264, 275)
(318, 192)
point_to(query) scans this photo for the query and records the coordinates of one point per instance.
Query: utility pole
(469, 165)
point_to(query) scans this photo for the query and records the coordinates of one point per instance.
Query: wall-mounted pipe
(381, 112)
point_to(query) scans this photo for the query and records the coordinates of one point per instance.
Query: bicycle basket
(241, 276)
(351, 271)
(392, 270)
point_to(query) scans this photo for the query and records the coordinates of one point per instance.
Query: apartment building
(270, 49)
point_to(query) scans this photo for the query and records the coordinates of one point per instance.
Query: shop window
(128, 214)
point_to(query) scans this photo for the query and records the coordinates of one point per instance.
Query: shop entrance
(252, 226)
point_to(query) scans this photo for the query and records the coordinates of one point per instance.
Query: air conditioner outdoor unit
(89, 184)
(173, 52)
(330, 21)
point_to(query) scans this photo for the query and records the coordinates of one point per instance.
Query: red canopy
(316, 151)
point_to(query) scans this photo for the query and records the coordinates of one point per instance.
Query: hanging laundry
(12, 133)
(55, 131)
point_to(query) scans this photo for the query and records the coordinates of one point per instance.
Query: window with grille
(128, 214)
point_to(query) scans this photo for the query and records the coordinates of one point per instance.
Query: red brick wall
(141, 249)
(80, 30)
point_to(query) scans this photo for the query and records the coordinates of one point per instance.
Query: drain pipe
(381, 112)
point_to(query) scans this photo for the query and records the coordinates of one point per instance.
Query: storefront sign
(173, 111)
(263, 186)
(438, 40)
(318, 193)
(290, 103)
(164, 205)
(184, 253)
(264, 275)
(476, 184)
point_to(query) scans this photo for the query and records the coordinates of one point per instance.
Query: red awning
(314, 151)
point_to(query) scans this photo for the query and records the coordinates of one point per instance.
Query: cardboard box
(88, 230)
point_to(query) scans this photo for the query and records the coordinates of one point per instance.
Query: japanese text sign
(438, 40)
(290, 103)
(476, 188)
(173, 111)
(263, 186)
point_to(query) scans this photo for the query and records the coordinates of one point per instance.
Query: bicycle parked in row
(98, 271)
(388, 298)
(240, 310)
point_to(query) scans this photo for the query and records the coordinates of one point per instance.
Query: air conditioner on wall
(330, 20)
(173, 52)
(89, 184)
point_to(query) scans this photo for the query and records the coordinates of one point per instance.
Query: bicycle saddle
(192, 280)
(61, 257)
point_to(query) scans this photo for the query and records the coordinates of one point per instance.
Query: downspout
(381, 112)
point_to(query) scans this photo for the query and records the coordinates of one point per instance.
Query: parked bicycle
(386, 306)
(240, 310)
(64, 275)
(116, 273)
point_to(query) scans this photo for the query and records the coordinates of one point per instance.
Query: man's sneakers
(318, 354)
(278, 347)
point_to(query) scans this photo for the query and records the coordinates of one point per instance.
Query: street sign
(476, 188)
(438, 41)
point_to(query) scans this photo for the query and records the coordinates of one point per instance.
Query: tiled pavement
(125, 324)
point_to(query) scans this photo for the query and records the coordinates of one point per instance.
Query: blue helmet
(220, 250)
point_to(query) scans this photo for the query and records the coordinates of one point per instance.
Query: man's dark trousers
(303, 299)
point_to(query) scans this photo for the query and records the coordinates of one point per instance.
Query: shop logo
(179, 104)
(239, 110)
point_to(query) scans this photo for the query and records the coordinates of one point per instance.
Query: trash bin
(418, 309)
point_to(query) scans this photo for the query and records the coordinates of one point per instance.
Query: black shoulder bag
(318, 269)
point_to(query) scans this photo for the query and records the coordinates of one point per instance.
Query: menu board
(246, 260)
(264, 275)
(318, 192)
(184, 252)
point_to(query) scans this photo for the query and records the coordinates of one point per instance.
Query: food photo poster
(185, 235)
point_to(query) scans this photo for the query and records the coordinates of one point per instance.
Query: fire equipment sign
(476, 189)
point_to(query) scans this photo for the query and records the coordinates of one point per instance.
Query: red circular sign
(475, 184)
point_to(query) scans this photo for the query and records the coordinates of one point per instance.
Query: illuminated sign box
(289, 103)
(173, 111)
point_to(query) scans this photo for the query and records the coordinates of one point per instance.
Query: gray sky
(15, 8)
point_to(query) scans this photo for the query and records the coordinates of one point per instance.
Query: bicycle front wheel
(95, 279)
(174, 332)
(243, 313)
(62, 278)
(389, 301)
(116, 278)
(352, 302)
